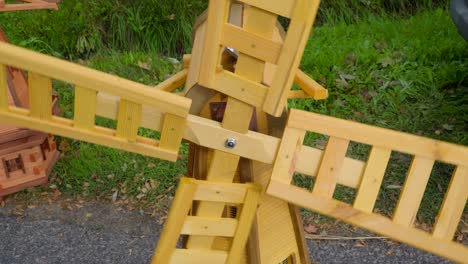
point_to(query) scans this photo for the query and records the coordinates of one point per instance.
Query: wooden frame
(179, 222)
(133, 96)
(383, 142)
(287, 55)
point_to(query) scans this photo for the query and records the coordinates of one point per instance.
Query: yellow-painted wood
(106, 137)
(284, 167)
(303, 16)
(85, 108)
(308, 163)
(413, 191)
(40, 96)
(179, 223)
(251, 44)
(453, 205)
(173, 82)
(175, 221)
(310, 86)
(330, 167)
(193, 256)
(372, 179)
(206, 226)
(129, 120)
(202, 131)
(373, 222)
(172, 131)
(217, 17)
(381, 137)
(360, 214)
(280, 7)
(243, 89)
(3, 88)
(220, 192)
(243, 228)
(92, 79)
(237, 115)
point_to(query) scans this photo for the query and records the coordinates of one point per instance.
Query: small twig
(318, 237)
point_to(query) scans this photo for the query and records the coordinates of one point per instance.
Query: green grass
(80, 29)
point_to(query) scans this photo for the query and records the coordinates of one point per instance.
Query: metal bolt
(230, 143)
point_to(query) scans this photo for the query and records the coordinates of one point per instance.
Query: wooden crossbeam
(332, 167)
(92, 79)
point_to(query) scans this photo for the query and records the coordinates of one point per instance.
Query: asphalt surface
(103, 233)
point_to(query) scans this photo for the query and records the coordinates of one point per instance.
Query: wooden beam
(413, 191)
(453, 205)
(93, 79)
(381, 137)
(310, 86)
(251, 44)
(178, 213)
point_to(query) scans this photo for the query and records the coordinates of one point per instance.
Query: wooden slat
(92, 79)
(251, 44)
(330, 168)
(373, 222)
(217, 17)
(85, 108)
(308, 163)
(2, 3)
(172, 131)
(249, 209)
(453, 205)
(173, 82)
(381, 137)
(413, 191)
(245, 90)
(372, 179)
(129, 120)
(106, 137)
(177, 215)
(310, 86)
(280, 7)
(3, 88)
(194, 256)
(40, 96)
(291, 144)
(298, 33)
(220, 192)
(205, 226)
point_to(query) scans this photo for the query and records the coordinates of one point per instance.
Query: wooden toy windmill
(240, 204)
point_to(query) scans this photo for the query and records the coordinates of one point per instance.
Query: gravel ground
(103, 233)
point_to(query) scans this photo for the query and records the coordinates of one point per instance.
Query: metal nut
(230, 143)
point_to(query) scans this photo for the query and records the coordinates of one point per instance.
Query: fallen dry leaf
(310, 229)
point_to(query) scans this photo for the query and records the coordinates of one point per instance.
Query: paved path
(103, 233)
